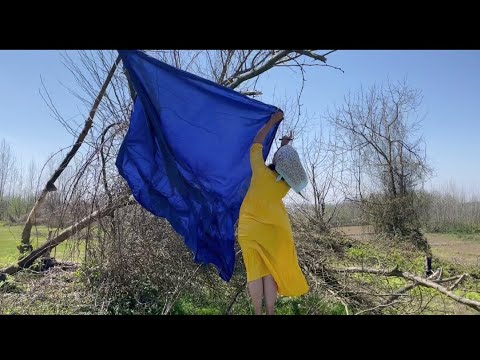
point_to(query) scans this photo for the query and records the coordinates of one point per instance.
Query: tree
(378, 130)
(7, 161)
(322, 166)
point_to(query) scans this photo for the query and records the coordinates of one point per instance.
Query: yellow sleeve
(256, 159)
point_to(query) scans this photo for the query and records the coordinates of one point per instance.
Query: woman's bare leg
(256, 293)
(270, 292)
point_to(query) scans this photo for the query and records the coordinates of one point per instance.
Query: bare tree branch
(266, 62)
(50, 183)
(251, 93)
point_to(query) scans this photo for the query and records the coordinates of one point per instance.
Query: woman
(264, 232)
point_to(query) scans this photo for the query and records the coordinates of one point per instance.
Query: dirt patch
(357, 232)
(463, 250)
(459, 249)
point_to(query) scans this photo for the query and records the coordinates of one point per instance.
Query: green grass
(370, 256)
(284, 306)
(301, 306)
(10, 238)
(459, 234)
(469, 237)
(456, 229)
(187, 306)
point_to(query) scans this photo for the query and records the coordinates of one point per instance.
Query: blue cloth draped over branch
(186, 154)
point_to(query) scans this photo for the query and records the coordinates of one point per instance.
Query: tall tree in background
(377, 128)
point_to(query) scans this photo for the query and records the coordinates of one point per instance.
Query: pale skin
(265, 288)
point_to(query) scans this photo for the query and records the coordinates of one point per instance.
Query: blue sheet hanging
(186, 154)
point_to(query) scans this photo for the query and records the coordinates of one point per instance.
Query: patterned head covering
(288, 165)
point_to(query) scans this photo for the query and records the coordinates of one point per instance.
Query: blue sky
(449, 81)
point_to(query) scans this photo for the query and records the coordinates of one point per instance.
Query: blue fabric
(186, 154)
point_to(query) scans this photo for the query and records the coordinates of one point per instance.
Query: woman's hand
(277, 117)
(262, 133)
(287, 138)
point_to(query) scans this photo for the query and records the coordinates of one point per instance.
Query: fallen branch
(345, 305)
(376, 307)
(64, 235)
(417, 279)
(456, 283)
(341, 290)
(399, 293)
(393, 272)
(448, 279)
(409, 287)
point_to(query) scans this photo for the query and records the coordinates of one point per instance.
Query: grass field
(62, 292)
(460, 249)
(10, 238)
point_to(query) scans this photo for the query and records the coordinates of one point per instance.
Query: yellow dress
(264, 231)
